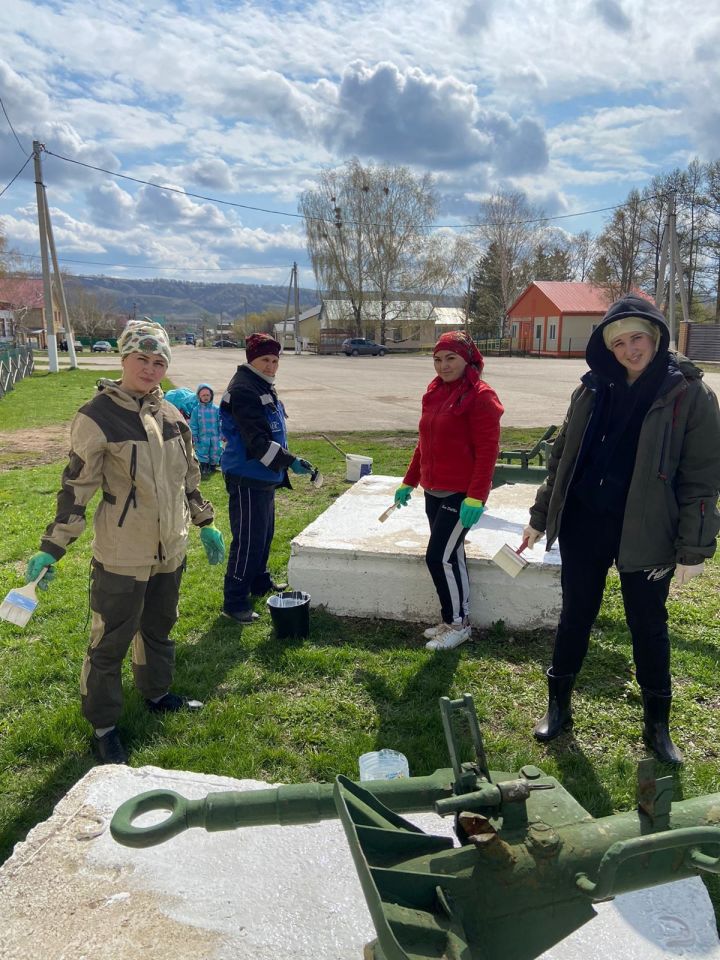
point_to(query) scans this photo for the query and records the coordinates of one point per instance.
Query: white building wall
(576, 331)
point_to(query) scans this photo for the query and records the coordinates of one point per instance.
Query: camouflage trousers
(131, 606)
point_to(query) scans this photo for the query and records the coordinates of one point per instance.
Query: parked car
(224, 342)
(101, 346)
(359, 346)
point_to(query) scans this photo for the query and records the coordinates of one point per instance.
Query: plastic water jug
(383, 765)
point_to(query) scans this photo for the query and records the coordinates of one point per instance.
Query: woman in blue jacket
(254, 463)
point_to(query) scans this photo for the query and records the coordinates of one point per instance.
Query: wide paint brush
(510, 560)
(19, 605)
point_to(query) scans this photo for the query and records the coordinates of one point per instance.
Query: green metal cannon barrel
(283, 805)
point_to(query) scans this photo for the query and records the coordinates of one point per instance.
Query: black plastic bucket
(290, 613)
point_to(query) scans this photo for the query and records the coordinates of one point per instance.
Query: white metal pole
(53, 365)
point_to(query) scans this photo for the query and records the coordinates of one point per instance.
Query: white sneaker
(452, 636)
(436, 631)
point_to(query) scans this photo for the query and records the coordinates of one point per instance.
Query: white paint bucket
(357, 466)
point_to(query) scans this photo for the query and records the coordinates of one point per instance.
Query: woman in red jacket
(459, 438)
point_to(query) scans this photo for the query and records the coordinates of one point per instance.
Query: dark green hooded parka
(671, 513)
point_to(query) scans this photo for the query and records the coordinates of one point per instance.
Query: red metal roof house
(22, 305)
(551, 318)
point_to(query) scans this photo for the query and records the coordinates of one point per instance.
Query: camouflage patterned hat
(144, 336)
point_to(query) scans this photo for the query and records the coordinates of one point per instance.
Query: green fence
(499, 347)
(15, 364)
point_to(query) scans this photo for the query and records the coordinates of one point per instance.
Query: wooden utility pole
(670, 260)
(60, 287)
(47, 243)
(298, 346)
(53, 365)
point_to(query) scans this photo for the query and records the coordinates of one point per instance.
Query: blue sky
(573, 102)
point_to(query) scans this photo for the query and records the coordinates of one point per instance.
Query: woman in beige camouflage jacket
(136, 447)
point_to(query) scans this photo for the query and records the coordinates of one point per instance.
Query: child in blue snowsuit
(205, 427)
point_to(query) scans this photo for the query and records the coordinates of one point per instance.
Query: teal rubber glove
(35, 564)
(470, 511)
(301, 466)
(403, 494)
(212, 540)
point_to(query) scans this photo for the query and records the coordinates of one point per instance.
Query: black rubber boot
(559, 712)
(656, 732)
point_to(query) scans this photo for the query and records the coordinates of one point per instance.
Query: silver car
(359, 347)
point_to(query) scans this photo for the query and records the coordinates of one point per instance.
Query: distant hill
(186, 299)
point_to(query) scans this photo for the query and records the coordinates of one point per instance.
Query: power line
(13, 129)
(7, 187)
(300, 216)
(183, 193)
(139, 266)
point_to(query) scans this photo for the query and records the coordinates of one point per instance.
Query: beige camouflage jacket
(139, 452)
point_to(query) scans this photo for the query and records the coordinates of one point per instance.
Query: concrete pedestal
(71, 893)
(356, 566)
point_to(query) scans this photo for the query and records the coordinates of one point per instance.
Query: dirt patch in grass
(33, 447)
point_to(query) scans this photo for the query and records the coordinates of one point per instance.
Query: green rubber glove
(403, 494)
(212, 540)
(35, 564)
(301, 466)
(470, 511)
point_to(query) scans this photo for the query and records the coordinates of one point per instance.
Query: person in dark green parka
(633, 480)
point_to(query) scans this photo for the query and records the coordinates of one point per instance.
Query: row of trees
(370, 236)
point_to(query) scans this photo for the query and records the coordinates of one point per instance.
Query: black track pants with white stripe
(445, 555)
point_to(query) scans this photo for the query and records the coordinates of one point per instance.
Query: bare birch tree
(370, 237)
(91, 314)
(511, 226)
(619, 265)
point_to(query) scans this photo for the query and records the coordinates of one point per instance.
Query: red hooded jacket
(459, 437)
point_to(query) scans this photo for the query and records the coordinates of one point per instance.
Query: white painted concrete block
(356, 566)
(69, 892)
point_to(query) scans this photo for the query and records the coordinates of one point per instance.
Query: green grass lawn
(296, 711)
(49, 398)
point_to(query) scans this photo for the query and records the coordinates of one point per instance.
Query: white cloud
(570, 99)
(612, 15)
(475, 15)
(416, 118)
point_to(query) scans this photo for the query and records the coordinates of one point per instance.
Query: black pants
(445, 555)
(589, 546)
(252, 521)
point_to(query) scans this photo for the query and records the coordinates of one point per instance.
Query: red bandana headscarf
(460, 343)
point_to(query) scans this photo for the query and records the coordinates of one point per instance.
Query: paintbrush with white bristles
(19, 605)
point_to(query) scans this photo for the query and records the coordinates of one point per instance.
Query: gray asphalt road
(381, 393)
